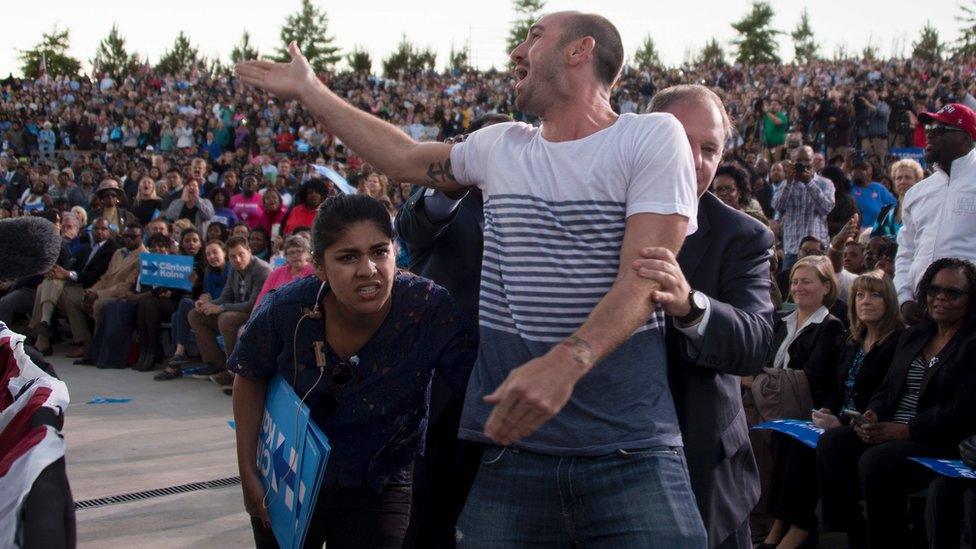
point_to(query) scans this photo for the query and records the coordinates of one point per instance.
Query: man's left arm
(536, 391)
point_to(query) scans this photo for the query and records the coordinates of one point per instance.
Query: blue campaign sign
(168, 271)
(804, 431)
(292, 455)
(952, 468)
(915, 153)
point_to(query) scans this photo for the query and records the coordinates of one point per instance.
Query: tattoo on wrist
(581, 351)
(439, 175)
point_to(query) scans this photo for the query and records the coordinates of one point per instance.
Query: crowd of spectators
(203, 167)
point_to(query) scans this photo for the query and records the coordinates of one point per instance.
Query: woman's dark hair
(159, 240)
(741, 179)
(224, 231)
(838, 177)
(267, 236)
(222, 191)
(337, 213)
(954, 263)
(314, 184)
(189, 231)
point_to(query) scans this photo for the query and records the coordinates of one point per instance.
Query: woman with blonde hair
(808, 339)
(905, 173)
(146, 203)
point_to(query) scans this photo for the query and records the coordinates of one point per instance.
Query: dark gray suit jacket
(727, 259)
(449, 252)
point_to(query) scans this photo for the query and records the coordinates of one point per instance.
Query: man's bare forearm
(380, 143)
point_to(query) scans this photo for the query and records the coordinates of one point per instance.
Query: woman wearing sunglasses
(360, 342)
(925, 407)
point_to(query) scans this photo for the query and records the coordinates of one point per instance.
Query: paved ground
(170, 433)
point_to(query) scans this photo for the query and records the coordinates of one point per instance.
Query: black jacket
(727, 259)
(88, 274)
(815, 350)
(871, 375)
(946, 412)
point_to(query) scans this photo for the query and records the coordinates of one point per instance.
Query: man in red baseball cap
(951, 131)
(939, 212)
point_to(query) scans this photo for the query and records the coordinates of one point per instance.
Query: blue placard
(336, 179)
(915, 153)
(164, 270)
(952, 468)
(804, 431)
(292, 455)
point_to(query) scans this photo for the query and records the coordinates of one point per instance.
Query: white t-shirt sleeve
(663, 177)
(470, 158)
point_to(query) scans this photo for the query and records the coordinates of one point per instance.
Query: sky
(678, 27)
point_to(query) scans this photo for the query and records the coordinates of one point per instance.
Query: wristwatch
(698, 302)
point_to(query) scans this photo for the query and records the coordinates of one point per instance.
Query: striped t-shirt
(908, 403)
(554, 223)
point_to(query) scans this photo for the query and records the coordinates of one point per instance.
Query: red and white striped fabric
(25, 451)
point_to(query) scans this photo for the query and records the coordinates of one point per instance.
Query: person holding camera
(874, 113)
(803, 204)
(775, 124)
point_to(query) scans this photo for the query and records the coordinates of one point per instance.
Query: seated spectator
(214, 278)
(35, 198)
(807, 344)
(226, 314)
(925, 407)
(886, 258)
(372, 186)
(108, 194)
(906, 173)
(81, 194)
(120, 276)
(247, 204)
(298, 264)
(864, 360)
(260, 243)
(870, 196)
(847, 256)
(871, 251)
(241, 229)
(810, 246)
(273, 214)
(217, 231)
(307, 202)
(731, 185)
(844, 204)
(113, 333)
(91, 263)
(220, 198)
(146, 205)
(190, 206)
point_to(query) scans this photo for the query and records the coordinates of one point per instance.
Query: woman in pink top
(247, 205)
(273, 213)
(298, 264)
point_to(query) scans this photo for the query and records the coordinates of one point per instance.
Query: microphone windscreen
(28, 246)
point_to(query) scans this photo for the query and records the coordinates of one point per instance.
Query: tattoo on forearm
(582, 352)
(440, 176)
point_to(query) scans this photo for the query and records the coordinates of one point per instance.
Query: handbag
(967, 449)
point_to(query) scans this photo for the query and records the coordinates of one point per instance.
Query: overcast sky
(677, 26)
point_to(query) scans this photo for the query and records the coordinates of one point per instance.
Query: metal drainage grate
(158, 492)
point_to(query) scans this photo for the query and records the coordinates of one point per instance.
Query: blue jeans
(180, 323)
(639, 498)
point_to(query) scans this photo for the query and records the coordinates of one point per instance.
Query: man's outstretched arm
(381, 144)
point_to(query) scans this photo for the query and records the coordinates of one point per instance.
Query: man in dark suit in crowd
(445, 239)
(716, 296)
(14, 180)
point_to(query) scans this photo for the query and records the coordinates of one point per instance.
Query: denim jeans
(639, 498)
(179, 321)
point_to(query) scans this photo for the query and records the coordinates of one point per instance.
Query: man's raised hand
(284, 80)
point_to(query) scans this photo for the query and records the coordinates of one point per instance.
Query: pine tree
(53, 47)
(113, 58)
(712, 54)
(646, 56)
(966, 44)
(244, 50)
(805, 46)
(928, 46)
(307, 27)
(527, 12)
(179, 58)
(756, 43)
(871, 50)
(459, 61)
(360, 61)
(408, 58)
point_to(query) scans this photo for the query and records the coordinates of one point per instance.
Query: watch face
(699, 299)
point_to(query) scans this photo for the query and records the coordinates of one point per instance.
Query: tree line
(756, 42)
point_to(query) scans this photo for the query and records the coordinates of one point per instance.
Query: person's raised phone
(857, 417)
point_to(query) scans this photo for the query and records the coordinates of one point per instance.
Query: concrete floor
(170, 433)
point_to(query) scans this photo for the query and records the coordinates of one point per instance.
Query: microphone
(354, 360)
(28, 246)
